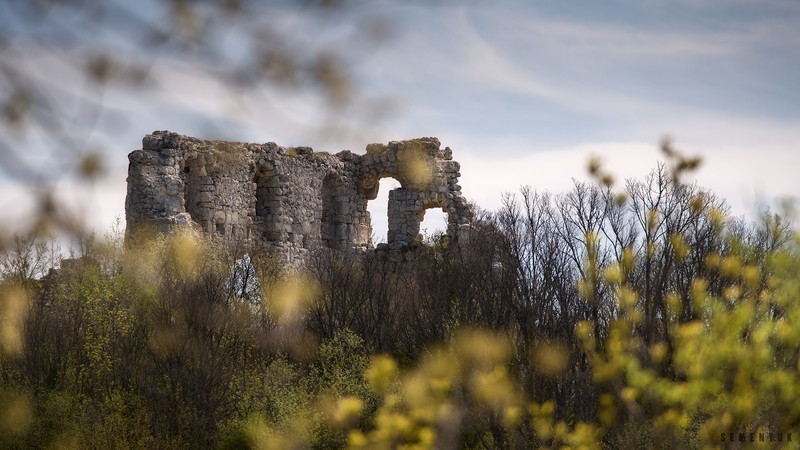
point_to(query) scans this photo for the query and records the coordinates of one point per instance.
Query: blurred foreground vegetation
(645, 318)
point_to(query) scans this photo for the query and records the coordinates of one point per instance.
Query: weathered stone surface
(292, 200)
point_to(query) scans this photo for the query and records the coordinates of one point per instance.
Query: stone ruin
(291, 199)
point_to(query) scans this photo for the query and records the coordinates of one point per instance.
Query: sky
(523, 92)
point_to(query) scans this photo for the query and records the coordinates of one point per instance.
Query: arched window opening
(268, 204)
(194, 200)
(379, 210)
(433, 225)
(264, 195)
(333, 224)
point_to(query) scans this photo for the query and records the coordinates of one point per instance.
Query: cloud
(617, 40)
(742, 177)
(485, 179)
(490, 65)
(605, 87)
(622, 70)
(95, 205)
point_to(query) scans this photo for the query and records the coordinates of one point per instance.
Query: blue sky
(523, 92)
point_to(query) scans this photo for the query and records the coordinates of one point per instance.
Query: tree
(27, 259)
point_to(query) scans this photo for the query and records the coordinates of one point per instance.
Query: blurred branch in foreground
(62, 62)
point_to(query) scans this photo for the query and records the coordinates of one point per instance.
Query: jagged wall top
(291, 199)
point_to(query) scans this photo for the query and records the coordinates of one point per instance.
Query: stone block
(151, 142)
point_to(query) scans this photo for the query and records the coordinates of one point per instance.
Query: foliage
(643, 318)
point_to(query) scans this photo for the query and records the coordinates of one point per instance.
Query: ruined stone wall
(291, 200)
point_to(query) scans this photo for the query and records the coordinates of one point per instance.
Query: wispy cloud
(615, 40)
(742, 176)
(95, 205)
(496, 82)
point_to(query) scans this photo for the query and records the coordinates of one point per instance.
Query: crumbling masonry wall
(292, 200)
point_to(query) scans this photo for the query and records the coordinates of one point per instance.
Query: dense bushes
(586, 319)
